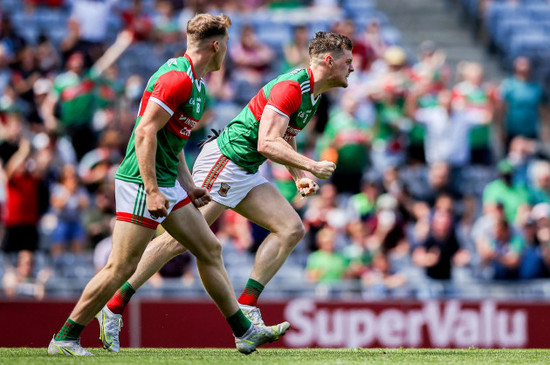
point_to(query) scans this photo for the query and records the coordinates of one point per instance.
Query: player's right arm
(170, 91)
(285, 99)
(153, 119)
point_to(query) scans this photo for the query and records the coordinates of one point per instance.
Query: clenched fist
(323, 169)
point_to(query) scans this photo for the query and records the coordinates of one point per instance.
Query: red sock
(121, 298)
(251, 292)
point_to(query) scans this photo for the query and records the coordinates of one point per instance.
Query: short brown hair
(329, 43)
(203, 26)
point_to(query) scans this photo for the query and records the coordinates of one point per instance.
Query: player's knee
(211, 253)
(295, 233)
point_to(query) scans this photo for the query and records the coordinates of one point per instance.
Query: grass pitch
(38, 356)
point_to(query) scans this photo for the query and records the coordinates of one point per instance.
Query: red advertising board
(352, 324)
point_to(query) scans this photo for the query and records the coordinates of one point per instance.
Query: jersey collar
(191, 63)
(197, 81)
(311, 84)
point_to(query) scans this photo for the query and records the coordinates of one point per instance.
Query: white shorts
(131, 206)
(227, 182)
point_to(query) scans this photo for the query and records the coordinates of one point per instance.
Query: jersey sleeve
(171, 90)
(285, 97)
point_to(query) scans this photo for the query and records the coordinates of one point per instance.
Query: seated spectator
(68, 201)
(23, 281)
(532, 265)
(381, 275)
(502, 251)
(386, 229)
(441, 250)
(512, 196)
(540, 192)
(97, 218)
(363, 204)
(252, 60)
(432, 68)
(325, 265)
(297, 51)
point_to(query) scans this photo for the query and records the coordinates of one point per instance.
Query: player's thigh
(129, 242)
(266, 206)
(212, 211)
(188, 227)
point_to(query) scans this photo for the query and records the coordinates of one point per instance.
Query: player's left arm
(199, 196)
(304, 184)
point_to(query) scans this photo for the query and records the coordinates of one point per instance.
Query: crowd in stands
(438, 170)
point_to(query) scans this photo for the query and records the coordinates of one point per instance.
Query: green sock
(70, 331)
(251, 292)
(238, 323)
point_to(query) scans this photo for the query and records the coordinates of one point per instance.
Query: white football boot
(110, 325)
(67, 348)
(252, 313)
(258, 335)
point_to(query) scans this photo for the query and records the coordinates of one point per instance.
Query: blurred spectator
(540, 191)
(363, 204)
(431, 69)
(11, 42)
(165, 23)
(385, 230)
(441, 250)
(326, 265)
(68, 201)
(5, 71)
(180, 267)
(364, 52)
(511, 196)
(439, 181)
(236, 229)
(297, 51)
(372, 37)
(48, 56)
(522, 99)
(349, 138)
(502, 251)
(25, 73)
(98, 217)
(73, 90)
(388, 92)
(23, 280)
(471, 94)
(92, 18)
(447, 129)
(97, 166)
(22, 174)
(382, 275)
(252, 60)
(104, 247)
(532, 265)
(323, 210)
(138, 21)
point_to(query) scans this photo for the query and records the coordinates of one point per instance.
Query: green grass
(283, 357)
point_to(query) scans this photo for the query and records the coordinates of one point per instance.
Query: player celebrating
(228, 167)
(148, 194)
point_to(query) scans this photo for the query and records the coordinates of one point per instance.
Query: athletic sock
(239, 323)
(70, 331)
(251, 292)
(121, 298)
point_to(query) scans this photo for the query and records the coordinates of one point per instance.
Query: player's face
(343, 67)
(222, 50)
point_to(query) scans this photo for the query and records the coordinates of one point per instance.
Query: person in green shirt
(325, 265)
(502, 190)
(74, 92)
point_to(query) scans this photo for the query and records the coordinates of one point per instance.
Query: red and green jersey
(291, 95)
(76, 97)
(178, 91)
